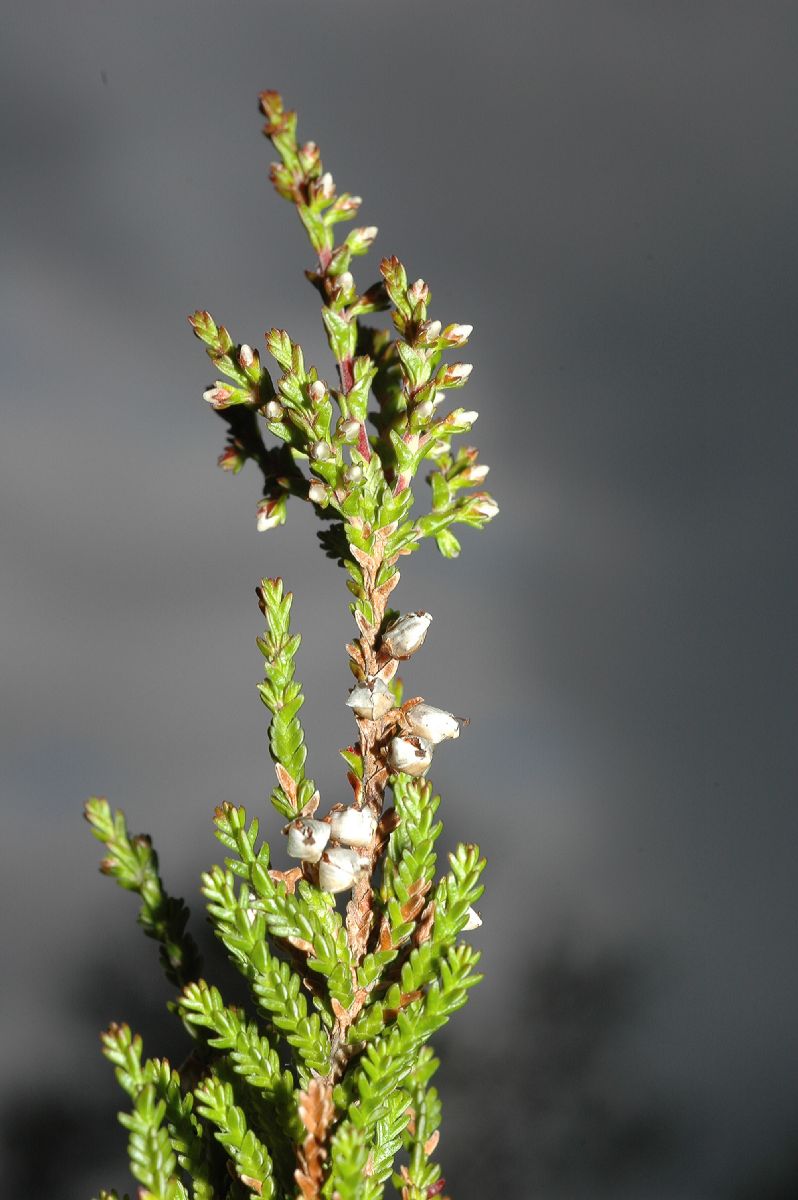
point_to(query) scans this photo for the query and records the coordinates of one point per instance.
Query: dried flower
(307, 838)
(371, 700)
(339, 869)
(413, 755)
(406, 634)
(355, 826)
(432, 723)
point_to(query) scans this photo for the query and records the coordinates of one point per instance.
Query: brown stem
(373, 738)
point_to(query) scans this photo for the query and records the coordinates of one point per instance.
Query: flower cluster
(314, 1089)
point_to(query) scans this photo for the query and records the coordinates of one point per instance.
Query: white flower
(274, 410)
(320, 451)
(353, 474)
(432, 723)
(317, 492)
(355, 826)
(339, 869)
(345, 281)
(406, 634)
(457, 334)
(477, 473)
(217, 396)
(413, 755)
(371, 700)
(267, 519)
(317, 391)
(307, 838)
(246, 356)
(348, 429)
(455, 374)
(485, 506)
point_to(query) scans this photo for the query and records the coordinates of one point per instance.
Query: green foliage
(282, 695)
(315, 1087)
(133, 863)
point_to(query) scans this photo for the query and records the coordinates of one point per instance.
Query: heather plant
(322, 1086)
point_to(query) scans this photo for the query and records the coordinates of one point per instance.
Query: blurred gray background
(608, 192)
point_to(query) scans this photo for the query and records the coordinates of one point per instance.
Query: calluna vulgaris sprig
(317, 1089)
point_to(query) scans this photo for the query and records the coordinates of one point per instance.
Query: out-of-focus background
(608, 192)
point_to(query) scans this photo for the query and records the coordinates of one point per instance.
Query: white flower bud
(339, 869)
(457, 334)
(317, 391)
(413, 755)
(268, 517)
(274, 410)
(355, 826)
(371, 700)
(485, 506)
(321, 451)
(349, 429)
(353, 474)
(418, 291)
(476, 474)
(346, 282)
(325, 185)
(406, 634)
(246, 356)
(433, 330)
(317, 492)
(424, 410)
(217, 396)
(432, 723)
(456, 373)
(307, 838)
(473, 921)
(467, 416)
